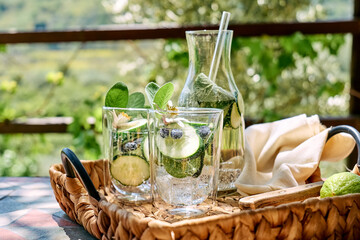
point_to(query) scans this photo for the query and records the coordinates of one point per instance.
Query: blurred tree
(278, 76)
(205, 12)
(51, 15)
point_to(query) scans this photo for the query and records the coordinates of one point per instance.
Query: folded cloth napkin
(286, 153)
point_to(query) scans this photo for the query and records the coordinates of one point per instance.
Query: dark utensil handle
(71, 162)
(350, 130)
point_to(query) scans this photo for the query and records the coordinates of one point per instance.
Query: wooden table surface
(29, 210)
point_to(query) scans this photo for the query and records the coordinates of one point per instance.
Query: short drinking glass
(185, 153)
(126, 145)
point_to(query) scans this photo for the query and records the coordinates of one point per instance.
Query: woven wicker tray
(85, 196)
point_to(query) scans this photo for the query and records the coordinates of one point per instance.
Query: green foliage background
(278, 76)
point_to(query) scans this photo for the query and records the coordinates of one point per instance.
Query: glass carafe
(222, 92)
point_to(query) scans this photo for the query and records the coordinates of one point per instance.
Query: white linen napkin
(287, 152)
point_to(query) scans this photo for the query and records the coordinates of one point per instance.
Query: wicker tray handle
(350, 130)
(71, 161)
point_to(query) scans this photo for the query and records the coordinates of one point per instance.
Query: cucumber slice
(197, 124)
(133, 126)
(182, 157)
(227, 115)
(183, 148)
(145, 148)
(181, 168)
(235, 118)
(130, 170)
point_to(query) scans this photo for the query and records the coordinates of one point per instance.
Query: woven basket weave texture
(329, 218)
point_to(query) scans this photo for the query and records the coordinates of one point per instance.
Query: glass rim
(192, 110)
(181, 110)
(206, 32)
(124, 109)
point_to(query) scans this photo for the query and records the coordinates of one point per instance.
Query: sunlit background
(278, 76)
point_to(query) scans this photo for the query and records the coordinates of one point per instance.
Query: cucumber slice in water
(145, 148)
(182, 148)
(130, 170)
(182, 157)
(181, 168)
(197, 124)
(235, 118)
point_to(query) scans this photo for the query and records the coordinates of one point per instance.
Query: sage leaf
(136, 100)
(117, 96)
(206, 90)
(150, 91)
(163, 95)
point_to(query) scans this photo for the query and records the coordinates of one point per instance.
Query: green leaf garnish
(150, 91)
(163, 95)
(117, 96)
(136, 100)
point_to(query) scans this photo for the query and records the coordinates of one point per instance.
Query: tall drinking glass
(185, 153)
(126, 145)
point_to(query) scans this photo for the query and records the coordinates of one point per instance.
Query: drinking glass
(185, 153)
(126, 145)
